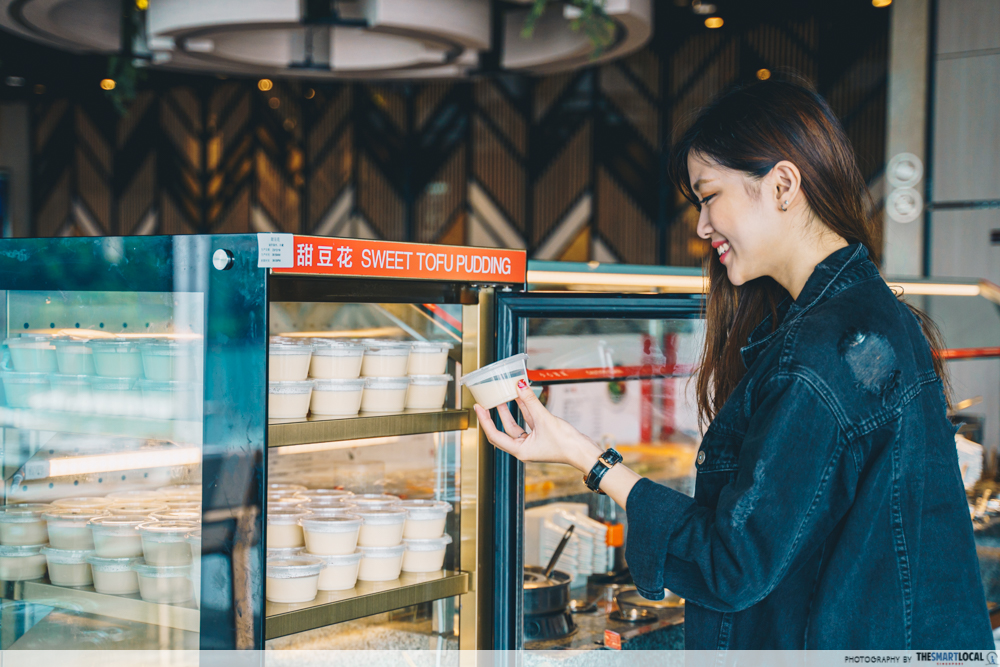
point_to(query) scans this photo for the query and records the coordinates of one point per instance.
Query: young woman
(829, 511)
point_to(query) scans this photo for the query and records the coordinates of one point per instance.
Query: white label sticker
(275, 251)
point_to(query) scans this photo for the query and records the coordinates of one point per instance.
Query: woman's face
(740, 219)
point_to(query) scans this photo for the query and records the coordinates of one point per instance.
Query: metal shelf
(285, 432)
(94, 424)
(365, 599)
(184, 616)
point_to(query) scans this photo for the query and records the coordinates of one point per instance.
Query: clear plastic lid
(25, 378)
(168, 385)
(288, 500)
(135, 495)
(382, 552)
(114, 345)
(339, 523)
(336, 560)
(23, 513)
(286, 552)
(117, 525)
(33, 340)
(430, 380)
(432, 544)
(399, 383)
(144, 569)
(430, 347)
(71, 344)
(330, 509)
(113, 384)
(67, 556)
(166, 531)
(374, 500)
(288, 346)
(423, 510)
(82, 502)
(71, 380)
(21, 551)
(189, 516)
(290, 387)
(387, 517)
(184, 505)
(327, 499)
(326, 493)
(327, 347)
(294, 567)
(67, 516)
(161, 347)
(286, 515)
(387, 348)
(111, 564)
(511, 367)
(278, 488)
(136, 509)
(356, 384)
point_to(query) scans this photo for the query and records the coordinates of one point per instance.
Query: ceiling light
(763, 74)
(310, 94)
(881, 3)
(107, 84)
(265, 85)
(714, 22)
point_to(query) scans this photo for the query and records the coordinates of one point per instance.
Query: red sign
(612, 640)
(562, 375)
(316, 255)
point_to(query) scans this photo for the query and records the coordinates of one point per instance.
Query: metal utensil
(559, 549)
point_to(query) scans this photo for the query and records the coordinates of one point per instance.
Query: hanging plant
(123, 72)
(593, 21)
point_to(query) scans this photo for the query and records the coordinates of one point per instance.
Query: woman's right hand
(551, 440)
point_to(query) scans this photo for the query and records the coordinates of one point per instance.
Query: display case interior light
(95, 463)
(94, 333)
(372, 332)
(340, 444)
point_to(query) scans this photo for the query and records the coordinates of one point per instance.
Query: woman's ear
(786, 185)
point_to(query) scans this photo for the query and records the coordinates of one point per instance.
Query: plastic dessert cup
(336, 359)
(117, 537)
(424, 518)
(374, 501)
(114, 576)
(294, 579)
(288, 361)
(22, 388)
(116, 395)
(82, 503)
(288, 399)
(428, 358)
(69, 528)
(32, 353)
(69, 567)
(74, 356)
(23, 525)
(425, 555)
(166, 584)
(170, 399)
(385, 358)
(330, 535)
(337, 397)
(117, 358)
(496, 384)
(427, 392)
(384, 394)
(380, 563)
(137, 508)
(188, 515)
(283, 529)
(340, 572)
(334, 508)
(381, 528)
(165, 360)
(165, 542)
(22, 563)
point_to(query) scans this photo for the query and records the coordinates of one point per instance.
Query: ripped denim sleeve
(795, 480)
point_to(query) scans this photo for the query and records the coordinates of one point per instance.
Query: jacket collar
(841, 269)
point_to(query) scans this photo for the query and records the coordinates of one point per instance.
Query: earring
(784, 207)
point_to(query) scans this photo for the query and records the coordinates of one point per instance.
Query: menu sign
(314, 255)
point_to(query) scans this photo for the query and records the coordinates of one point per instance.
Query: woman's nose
(704, 228)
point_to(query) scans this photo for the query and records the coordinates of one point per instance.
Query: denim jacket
(829, 511)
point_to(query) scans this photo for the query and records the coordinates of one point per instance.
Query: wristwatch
(604, 463)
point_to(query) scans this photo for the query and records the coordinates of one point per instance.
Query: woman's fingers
(509, 425)
(524, 414)
(495, 436)
(531, 407)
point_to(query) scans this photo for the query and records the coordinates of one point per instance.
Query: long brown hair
(750, 129)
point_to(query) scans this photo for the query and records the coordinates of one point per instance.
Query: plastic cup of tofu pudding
(172, 514)
(283, 529)
(22, 388)
(288, 360)
(337, 397)
(496, 384)
(74, 356)
(425, 555)
(163, 584)
(117, 358)
(428, 358)
(23, 525)
(336, 359)
(22, 563)
(114, 576)
(166, 360)
(165, 542)
(288, 399)
(385, 358)
(69, 567)
(116, 536)
(374, 501)
(381, 563)
(336, 508)
(384, 394)
(137, 508)
(328, 535)
(340, 571)
(32, 353)
(294, 579)
(427, 392)
(69, 528)
(425, 519)
(380, 528)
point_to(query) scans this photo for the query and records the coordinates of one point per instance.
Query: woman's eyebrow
(697, 184)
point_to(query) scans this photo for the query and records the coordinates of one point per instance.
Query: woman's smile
(722, 247)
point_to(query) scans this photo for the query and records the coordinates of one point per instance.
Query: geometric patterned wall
(568, 166)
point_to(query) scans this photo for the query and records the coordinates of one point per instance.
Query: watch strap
(607, 460)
